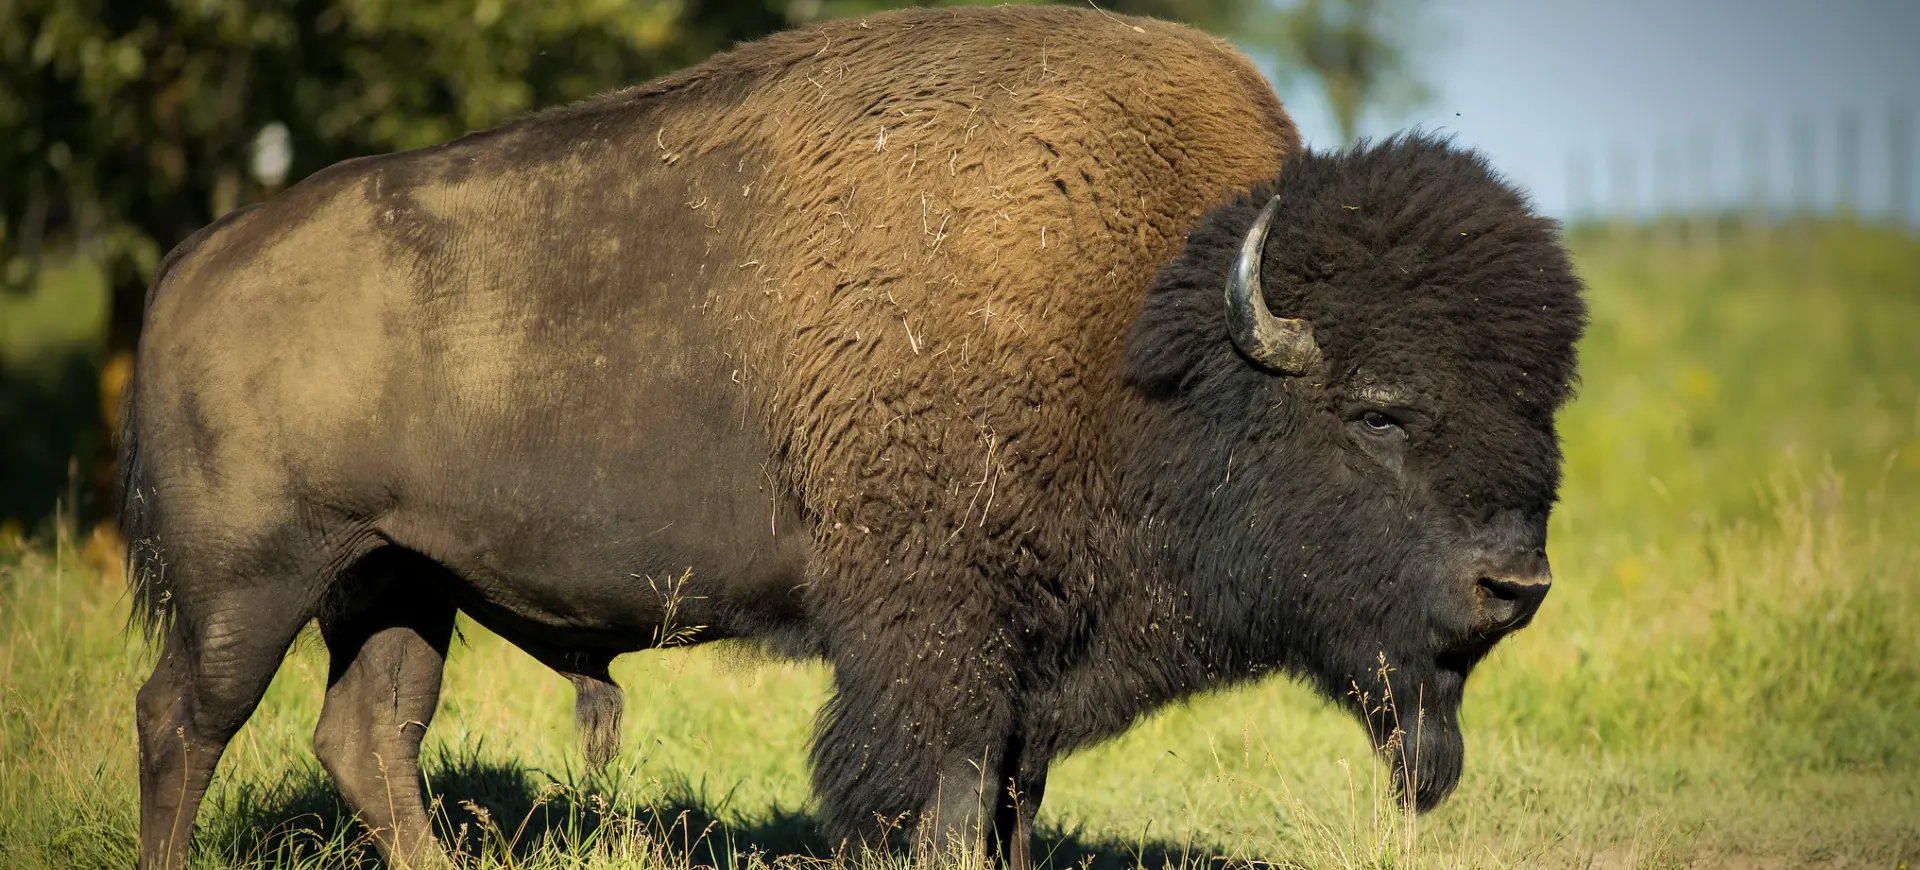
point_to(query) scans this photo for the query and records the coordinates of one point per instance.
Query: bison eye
(1378, 423)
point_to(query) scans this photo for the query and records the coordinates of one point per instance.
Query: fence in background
(1847, 164)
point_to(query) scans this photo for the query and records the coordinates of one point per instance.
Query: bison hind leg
(233, 620)
(597, 707)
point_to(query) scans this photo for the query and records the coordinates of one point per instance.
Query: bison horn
(1281, 344)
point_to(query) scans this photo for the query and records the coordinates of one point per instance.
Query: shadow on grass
(509, 814)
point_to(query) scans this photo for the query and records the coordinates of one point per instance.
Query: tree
(1355, 50)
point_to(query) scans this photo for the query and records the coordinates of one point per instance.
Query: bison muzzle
(1028, 396)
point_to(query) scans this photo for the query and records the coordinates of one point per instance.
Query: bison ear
(1279, 344)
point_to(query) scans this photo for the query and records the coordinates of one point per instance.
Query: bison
(1017, 363)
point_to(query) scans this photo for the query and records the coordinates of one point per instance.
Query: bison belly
(582, 451)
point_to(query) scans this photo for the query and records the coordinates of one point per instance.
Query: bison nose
(1508, 601)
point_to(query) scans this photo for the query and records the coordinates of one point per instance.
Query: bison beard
(885, 343)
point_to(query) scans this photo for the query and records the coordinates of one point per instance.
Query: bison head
(1347, 446)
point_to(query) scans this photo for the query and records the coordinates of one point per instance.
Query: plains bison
(990, 356)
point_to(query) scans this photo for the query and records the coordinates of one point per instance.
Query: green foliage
(1726, 673)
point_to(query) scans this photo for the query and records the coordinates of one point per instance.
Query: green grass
(1727, 674)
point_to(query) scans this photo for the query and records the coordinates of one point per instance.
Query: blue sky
(1665, 86)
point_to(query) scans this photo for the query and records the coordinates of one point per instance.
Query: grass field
(1727, 673)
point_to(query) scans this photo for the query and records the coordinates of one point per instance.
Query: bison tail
(133, 491)
(139, 526)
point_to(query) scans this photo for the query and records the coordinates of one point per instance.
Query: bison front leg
(984, 808)
(383, 683)
(958, 822)
(914, 748)
(1025, 777)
